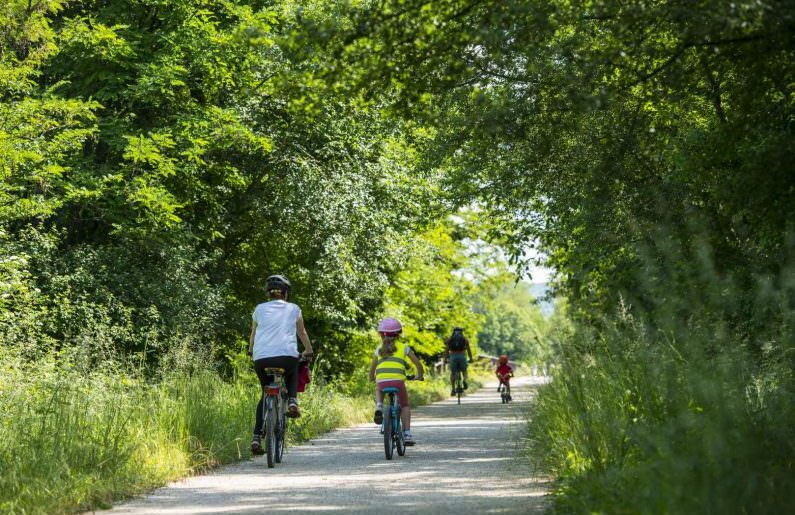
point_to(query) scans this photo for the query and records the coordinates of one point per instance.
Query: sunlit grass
(70, 440)
(631, 424)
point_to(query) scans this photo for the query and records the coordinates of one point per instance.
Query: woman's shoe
(256, 447)
(292, 410)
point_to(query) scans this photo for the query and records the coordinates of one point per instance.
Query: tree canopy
(161, 158)
(586, 122)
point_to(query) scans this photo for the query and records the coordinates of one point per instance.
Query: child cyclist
(504, 374)
(388, 368)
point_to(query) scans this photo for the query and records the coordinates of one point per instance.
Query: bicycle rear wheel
(270, 433)
(388, 449)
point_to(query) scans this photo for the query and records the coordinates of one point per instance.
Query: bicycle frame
(391, 425)
(505, 392)
(505, 388)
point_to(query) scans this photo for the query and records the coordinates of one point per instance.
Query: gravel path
(467, 460)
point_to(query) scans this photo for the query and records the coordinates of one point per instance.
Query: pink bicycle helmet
(389, 327)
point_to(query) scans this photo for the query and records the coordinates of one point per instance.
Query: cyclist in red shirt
(504, 374)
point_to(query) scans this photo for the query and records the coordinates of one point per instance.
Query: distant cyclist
(388, 368)
(504, 373)
(273, 344)
(456, 349)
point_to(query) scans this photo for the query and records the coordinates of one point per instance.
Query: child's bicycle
(392, 426)
(505, 392)
(274, 416)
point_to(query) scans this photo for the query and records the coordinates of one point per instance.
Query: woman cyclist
(388, 368)
(273, 344)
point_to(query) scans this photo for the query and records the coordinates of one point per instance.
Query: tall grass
(72, 440)
(659, 413)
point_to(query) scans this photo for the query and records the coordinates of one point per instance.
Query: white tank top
(275, 333)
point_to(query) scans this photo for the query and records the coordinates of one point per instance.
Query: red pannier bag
(303, 376)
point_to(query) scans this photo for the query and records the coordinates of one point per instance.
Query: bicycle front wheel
(388, 433)
(270, 433)
(400, 443)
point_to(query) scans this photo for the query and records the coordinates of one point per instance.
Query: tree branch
(715, 92)
(686, 46)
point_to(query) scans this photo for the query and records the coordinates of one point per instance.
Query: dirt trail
(467, 460)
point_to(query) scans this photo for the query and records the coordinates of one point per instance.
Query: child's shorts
(403, 395)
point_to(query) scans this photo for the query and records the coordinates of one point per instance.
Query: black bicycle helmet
(278, 282)
(458, 329)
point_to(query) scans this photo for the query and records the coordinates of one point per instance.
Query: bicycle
(274, 415)
(459, 385)
(392, 425)
(505, 392)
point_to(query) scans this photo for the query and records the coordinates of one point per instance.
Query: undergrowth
(685, 408)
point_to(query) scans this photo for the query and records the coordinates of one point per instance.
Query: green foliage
(431, 295)
(512, 325)
(166, 154)
(588, 125)
(41, 134)
(693, 398)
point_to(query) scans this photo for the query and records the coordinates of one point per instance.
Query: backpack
(457, 342)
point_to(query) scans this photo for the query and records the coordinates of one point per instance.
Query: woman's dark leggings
(290, 366)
